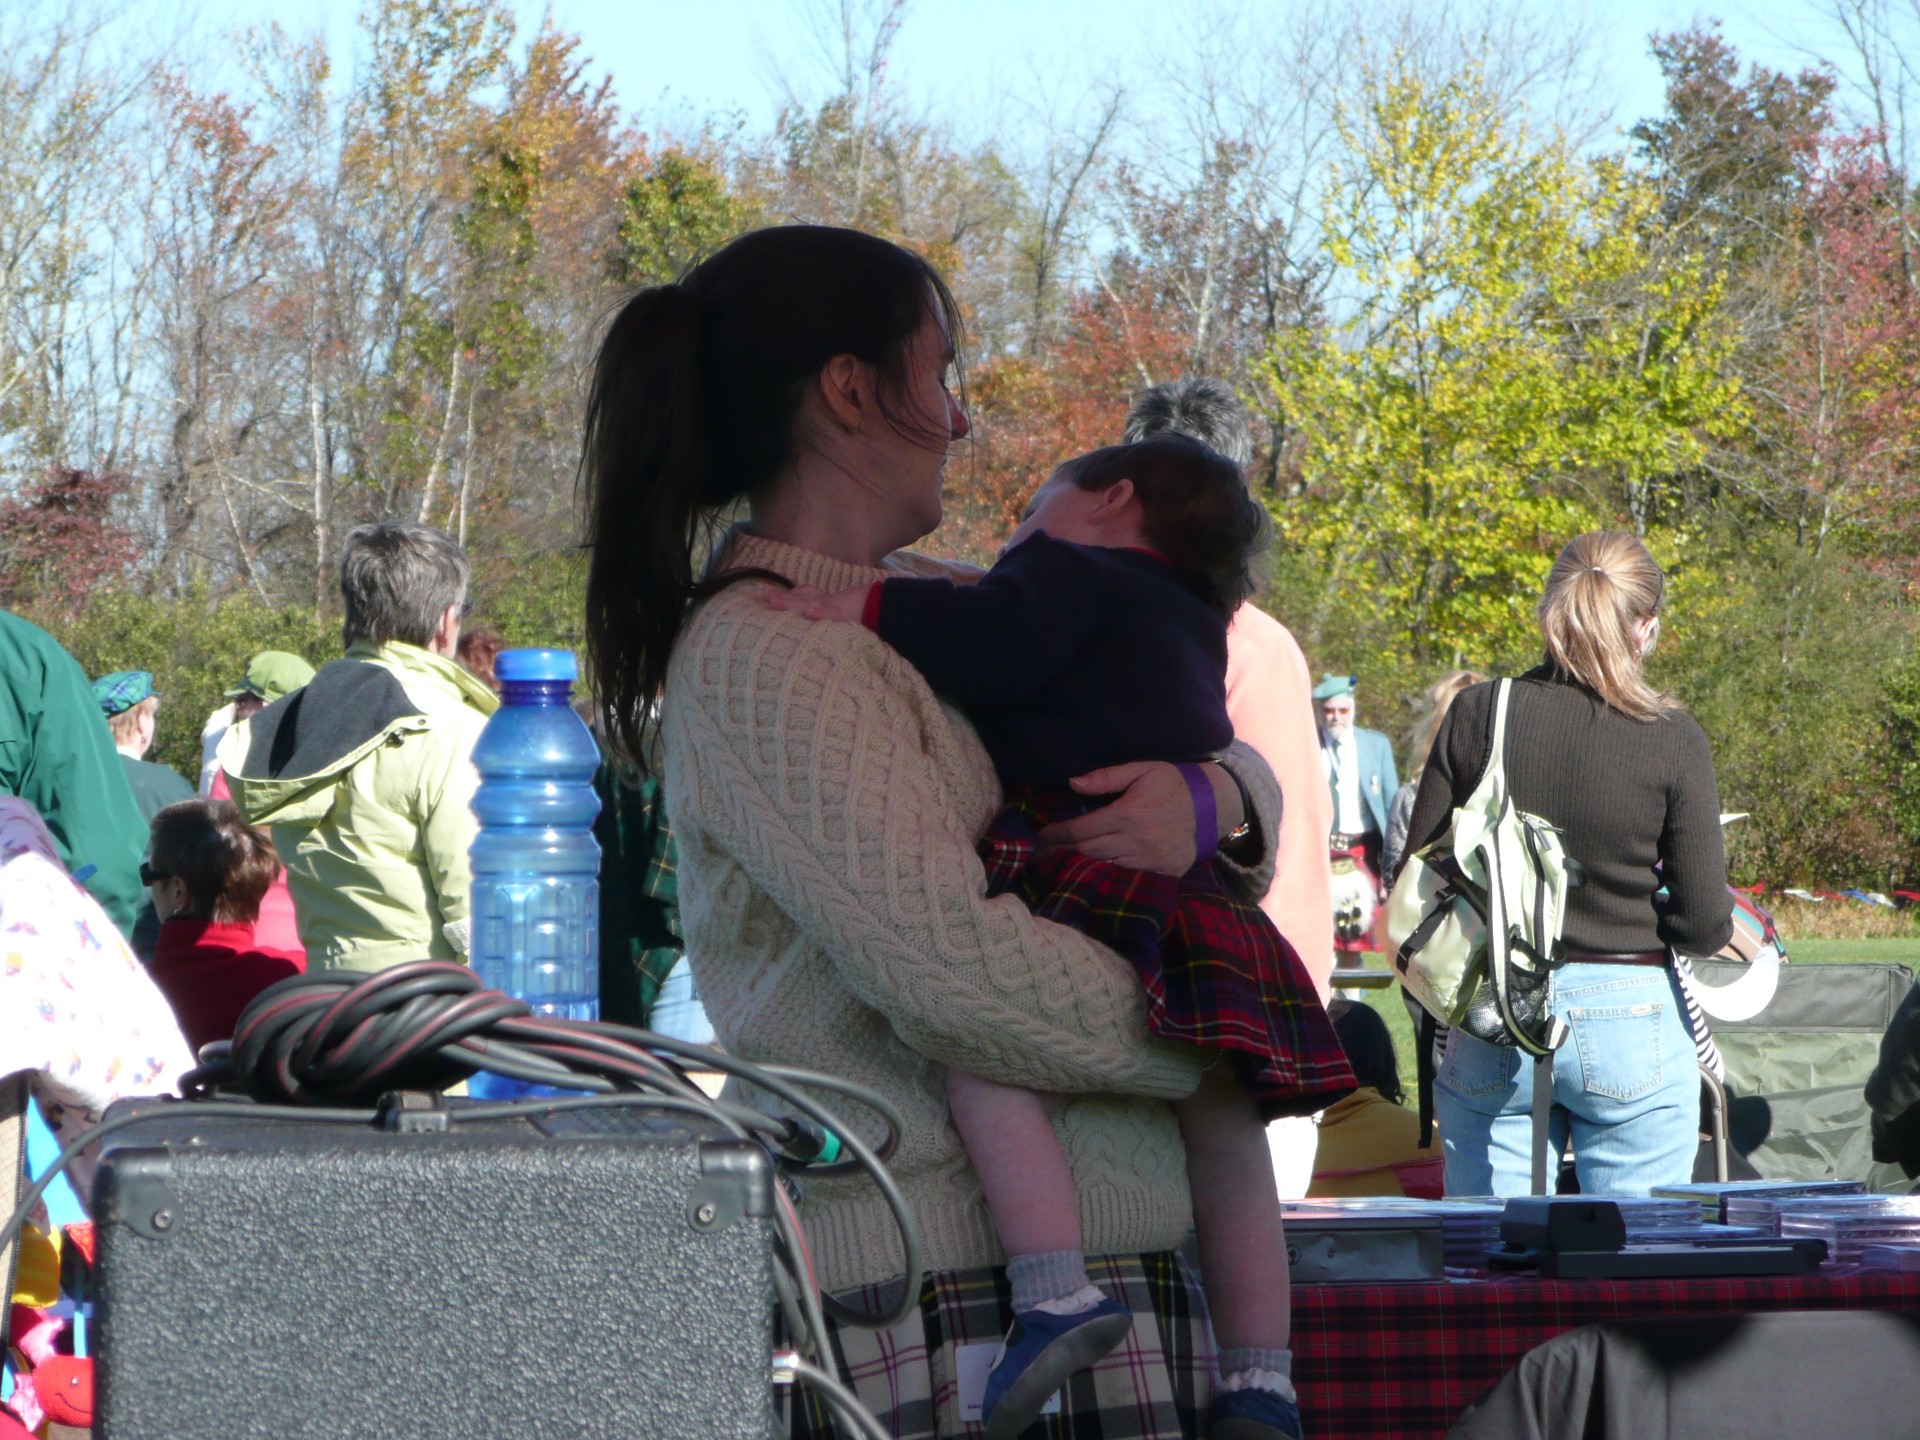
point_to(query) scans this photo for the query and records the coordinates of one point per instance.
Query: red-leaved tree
(1845, 393)
(1031, 412)
(58, 540)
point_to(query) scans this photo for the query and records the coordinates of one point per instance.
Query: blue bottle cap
(535, 666)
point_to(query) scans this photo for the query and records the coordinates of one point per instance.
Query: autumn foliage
(58, 541)
(245, 307)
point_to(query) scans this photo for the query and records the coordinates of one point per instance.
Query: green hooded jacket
(57, 754)
(366, 776)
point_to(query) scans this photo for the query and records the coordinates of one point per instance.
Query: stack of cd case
(1765, 1210)
(1654, 1219)
(1472, 1227)
(1850, 1223)
(1712, 1196)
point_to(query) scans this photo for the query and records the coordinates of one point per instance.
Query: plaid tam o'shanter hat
(122, 690)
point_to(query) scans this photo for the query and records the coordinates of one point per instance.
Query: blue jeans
(677, 1012)
(1626, 1090)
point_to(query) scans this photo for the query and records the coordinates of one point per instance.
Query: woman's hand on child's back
(817, 604)
(1150, 823)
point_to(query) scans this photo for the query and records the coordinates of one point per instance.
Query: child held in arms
(208, 873)
(1099, 637)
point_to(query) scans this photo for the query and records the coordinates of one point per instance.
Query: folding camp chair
(1713, 1115)
(1794, 1107)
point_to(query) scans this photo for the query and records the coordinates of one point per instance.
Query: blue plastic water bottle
(536, 865)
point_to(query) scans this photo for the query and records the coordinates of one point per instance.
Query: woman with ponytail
(1627, 776)
(826, 804)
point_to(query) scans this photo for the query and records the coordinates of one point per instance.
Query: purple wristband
(1206, 813)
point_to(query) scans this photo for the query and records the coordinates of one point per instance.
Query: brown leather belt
(1589, 957)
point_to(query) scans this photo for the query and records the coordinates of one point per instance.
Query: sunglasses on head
(151, 876)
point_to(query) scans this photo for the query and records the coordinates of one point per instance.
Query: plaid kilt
(1217, 973)
(1156, 1386)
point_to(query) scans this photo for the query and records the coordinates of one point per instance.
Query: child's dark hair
(226, 863)
(1196, 511)
(1369, 1046)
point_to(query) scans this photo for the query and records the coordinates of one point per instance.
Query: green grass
(1800, 952)
(1830, 952)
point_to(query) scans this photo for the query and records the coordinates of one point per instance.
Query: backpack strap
(1494, 784)
(1424, 1035)
(1497, 757)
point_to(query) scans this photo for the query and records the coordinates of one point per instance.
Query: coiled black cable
(328, 1045)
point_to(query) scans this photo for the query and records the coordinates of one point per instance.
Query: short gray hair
(396, 581)
(1199, 406)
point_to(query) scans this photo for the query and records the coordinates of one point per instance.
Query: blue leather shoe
(1253, 1415)
(1041, 1350)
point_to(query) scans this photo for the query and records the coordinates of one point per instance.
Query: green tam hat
(122, 690)
(272, 674)
(1333, 685)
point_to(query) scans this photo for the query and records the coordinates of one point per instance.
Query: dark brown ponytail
(226, 864)
(692, 407)
(645, 474)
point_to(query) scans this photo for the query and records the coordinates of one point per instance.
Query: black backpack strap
(1423, 1069)
(1542, 1118)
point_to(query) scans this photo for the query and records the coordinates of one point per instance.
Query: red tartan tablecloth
(1403, 1361)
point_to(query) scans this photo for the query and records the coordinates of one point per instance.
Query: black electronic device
(1695, 1259)
(1570, 1222)
(593, 1273)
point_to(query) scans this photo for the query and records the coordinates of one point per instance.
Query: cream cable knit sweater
(825, 805)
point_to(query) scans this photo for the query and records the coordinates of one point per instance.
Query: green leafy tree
(1903, 733)
(195, 646)
(672, 214)
(1507, 366)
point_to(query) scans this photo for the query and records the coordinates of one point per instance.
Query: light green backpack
(1473, 923)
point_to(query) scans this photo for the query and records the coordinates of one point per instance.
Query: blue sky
(681, 60)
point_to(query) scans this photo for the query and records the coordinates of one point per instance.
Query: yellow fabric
(36, 1279)
(1361, 1137)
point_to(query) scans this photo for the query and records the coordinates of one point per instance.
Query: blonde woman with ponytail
(1627, 776)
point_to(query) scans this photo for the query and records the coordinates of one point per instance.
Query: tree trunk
(322, 489)
(440, 444)
(466, 469)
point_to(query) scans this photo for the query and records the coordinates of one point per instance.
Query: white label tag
(971, 1364)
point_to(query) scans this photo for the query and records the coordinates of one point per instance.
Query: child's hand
(818, 604)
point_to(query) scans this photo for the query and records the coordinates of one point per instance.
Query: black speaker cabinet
(583, 1274)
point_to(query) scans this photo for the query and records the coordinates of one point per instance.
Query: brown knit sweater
(826, 805)
(1628, 795)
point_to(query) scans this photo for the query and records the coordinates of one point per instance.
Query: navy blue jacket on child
(1070, 658)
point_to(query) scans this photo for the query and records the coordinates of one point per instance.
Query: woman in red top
(208, 873)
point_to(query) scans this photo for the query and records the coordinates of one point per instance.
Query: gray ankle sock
(1233, 1361)
(1048, 1275)
(1270, 1370)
